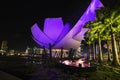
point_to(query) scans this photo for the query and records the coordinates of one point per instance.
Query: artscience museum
(60, 35)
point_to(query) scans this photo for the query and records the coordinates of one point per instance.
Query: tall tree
(112, 21)
(95, 34)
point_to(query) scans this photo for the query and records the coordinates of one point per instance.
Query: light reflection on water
(47, 74)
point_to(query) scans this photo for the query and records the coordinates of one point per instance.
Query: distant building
(56, 53)
(29, 50)
(39, 51)
(11, 52)
(4, 45)
(4, 48)
(2, 52)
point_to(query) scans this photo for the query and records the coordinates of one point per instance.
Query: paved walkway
(6, 76)
(43, 73)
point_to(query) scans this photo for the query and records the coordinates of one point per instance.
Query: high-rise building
(29, 50)
(4, 45)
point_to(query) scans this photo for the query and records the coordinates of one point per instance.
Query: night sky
(17, 17)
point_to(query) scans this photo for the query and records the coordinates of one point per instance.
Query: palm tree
(95, 34)
(110, 20)
(118, 38)
(113, 21)
(107, 38)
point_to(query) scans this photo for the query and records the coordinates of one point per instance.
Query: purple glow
(68, 41)
(52, 32)
(53, 27)
(89, 15)
(38, 34)
(65, 30)
(80, 35)
(60, 35)
(76, 63)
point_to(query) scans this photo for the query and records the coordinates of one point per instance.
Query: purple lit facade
(59, 35)
(54, 31)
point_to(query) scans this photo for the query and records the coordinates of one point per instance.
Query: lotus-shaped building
(59, 35)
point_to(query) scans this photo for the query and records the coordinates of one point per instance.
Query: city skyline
(18, 17)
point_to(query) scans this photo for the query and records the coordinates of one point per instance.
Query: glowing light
(67, 62)
(59, 35)
(76, 63)
(68, 41)
(80, 35)
(53, 28)
(54, 31)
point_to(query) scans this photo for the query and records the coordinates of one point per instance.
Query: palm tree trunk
(100, 49)
(89, 56)
(94, 52)
(108, 47)
(114, 49)
(118, 44)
